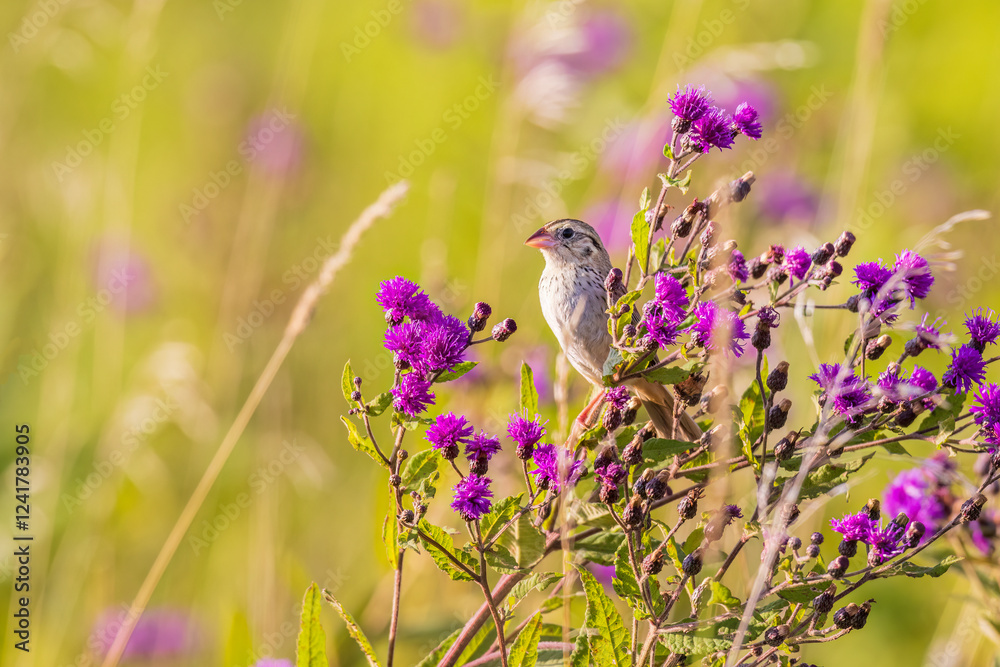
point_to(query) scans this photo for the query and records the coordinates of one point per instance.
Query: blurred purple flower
(913, 492)
(738, 267)
(275, 141)
(555, 467)
(797, 262)
(436, 23)
(783, 196)
(603, 573)
(606, 38)
(713, 322)
(915, 273)
(159, 634)
(124, 275)
(273, 662)
(638, 148)
(849, 392)
(758, 93)
(747, 121)
(853, 526)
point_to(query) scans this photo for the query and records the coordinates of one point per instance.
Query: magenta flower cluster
(708, 125)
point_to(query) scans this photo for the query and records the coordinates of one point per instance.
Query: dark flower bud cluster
(480, 314)
(504, 330)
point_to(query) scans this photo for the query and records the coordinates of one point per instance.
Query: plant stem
(394, 621)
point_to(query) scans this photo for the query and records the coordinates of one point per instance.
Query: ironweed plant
(617, 493)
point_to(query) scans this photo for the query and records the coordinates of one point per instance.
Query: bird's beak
(541, 239)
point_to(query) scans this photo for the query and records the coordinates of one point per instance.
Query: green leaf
(347, 382)
(353, 629)
(691, 645)
(529, 395)
(524, 652)
(951, 408)
(681, 184)
(498, 516)
(694, 539)
(911, 570)
(826, 478)
(623, 307)
(361, 443)
(378, 405)
(311, 646)
(660, 450)
(656, 254)
(599, 548)
(803, 594)
(611, 365)
(501, 560)
(434, 657)
(625, 583)
(640, 238)
(239, 643)
(524, 541)
(722, 595)
(609, 639)
(750, 418)
(457, 372)
(536, 581)
(667, 151)
(667, 375)
(440, 559)
(421, 472)
(581, 652)
(390, 534)
(645, 199)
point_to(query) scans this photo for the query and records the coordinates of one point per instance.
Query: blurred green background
(173, 171)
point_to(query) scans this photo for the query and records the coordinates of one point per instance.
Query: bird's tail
(659, 403)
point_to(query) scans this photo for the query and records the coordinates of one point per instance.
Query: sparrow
(574, 303)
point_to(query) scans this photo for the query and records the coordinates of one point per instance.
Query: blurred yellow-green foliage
(211, 151)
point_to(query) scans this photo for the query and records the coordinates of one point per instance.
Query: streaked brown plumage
(574, 303)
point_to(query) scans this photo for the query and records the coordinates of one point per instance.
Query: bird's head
(570, 241)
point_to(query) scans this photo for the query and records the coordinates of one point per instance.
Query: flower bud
(853, 303)
(613, 284)
(712, 401)
(657, 487)
(909, 413)
(777, 379)
(406, 516)
(844, 243)
(823, 254)
(629, 331)
(612, 418)
(795, 543)
(631, 411)
(775, 636)
(403, 454)
(479, 466)
(838, 566)
(812, 551)
(632, 515)
(708, 234)
(901, 520)
(972, 508)
(680, 227)
(609, 494)
(395, 480)
(816, 538)
(740, 188)
(606, 456)
(632, 454)
(873, 508)
(504, 330)
(823, 602)
(355, 395)
(692, 563)
(708, 437)
(914, 534)
(757, 268)
(844, 618)
(848, 548)
(761, 338)
(914, 346)
(687, 506)
(789, 514)
(862, 616)
(525, 452)
(653, 563)
(779, 414)
(876, 347)
(481, 313)
(639, 488)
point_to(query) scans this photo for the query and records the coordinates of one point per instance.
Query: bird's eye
(567, 233)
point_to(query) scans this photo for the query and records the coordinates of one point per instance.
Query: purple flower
(915, 273)
(930, 334)
(987, 411)
(732, 511)
(923, 379)
(482, 445)
(444, 343)
(401, 298)
(448, 432)
(413, 394)
(660, 323)
(768, 317)
(712, 323)
(714, 129)
(472, 497)
(853, 526)
(405, 340)
(982, 329)
(611, 475)
(526, 433)
(671, 294)
(617, 397)
(273, 662)
(849, 392)
(122, 270)
(160, 634)
(691, 103)
(738, 267)
(555, 467)
(278, 143)
(889, 385)
(785, 196)
(885, 541)
(871, 277)
(912, 492)
(967, 369)
(984, 531)
(747, 121)
(797, 262)
(603, 573)
(605, 40)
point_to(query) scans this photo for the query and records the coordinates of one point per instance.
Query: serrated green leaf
(353, 629)
(802, 594)
(379, 404)
(440, 559)
(640, 238)
(524, 541)
(502, 511)
(458, 371)
(361, 443)
(608, 639)
(311, 644)
(611, 365)
(667, 375)
(625, 583)
(722, 595)
(623, 307)
(660, 450)
(524, 652)
(421, 472)
(826, 478)
(691, 645)
(599, 548)
(347, 382)
(580, 657)
(529, 395)
(912, 570)
(501, 560)
(536, 581)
